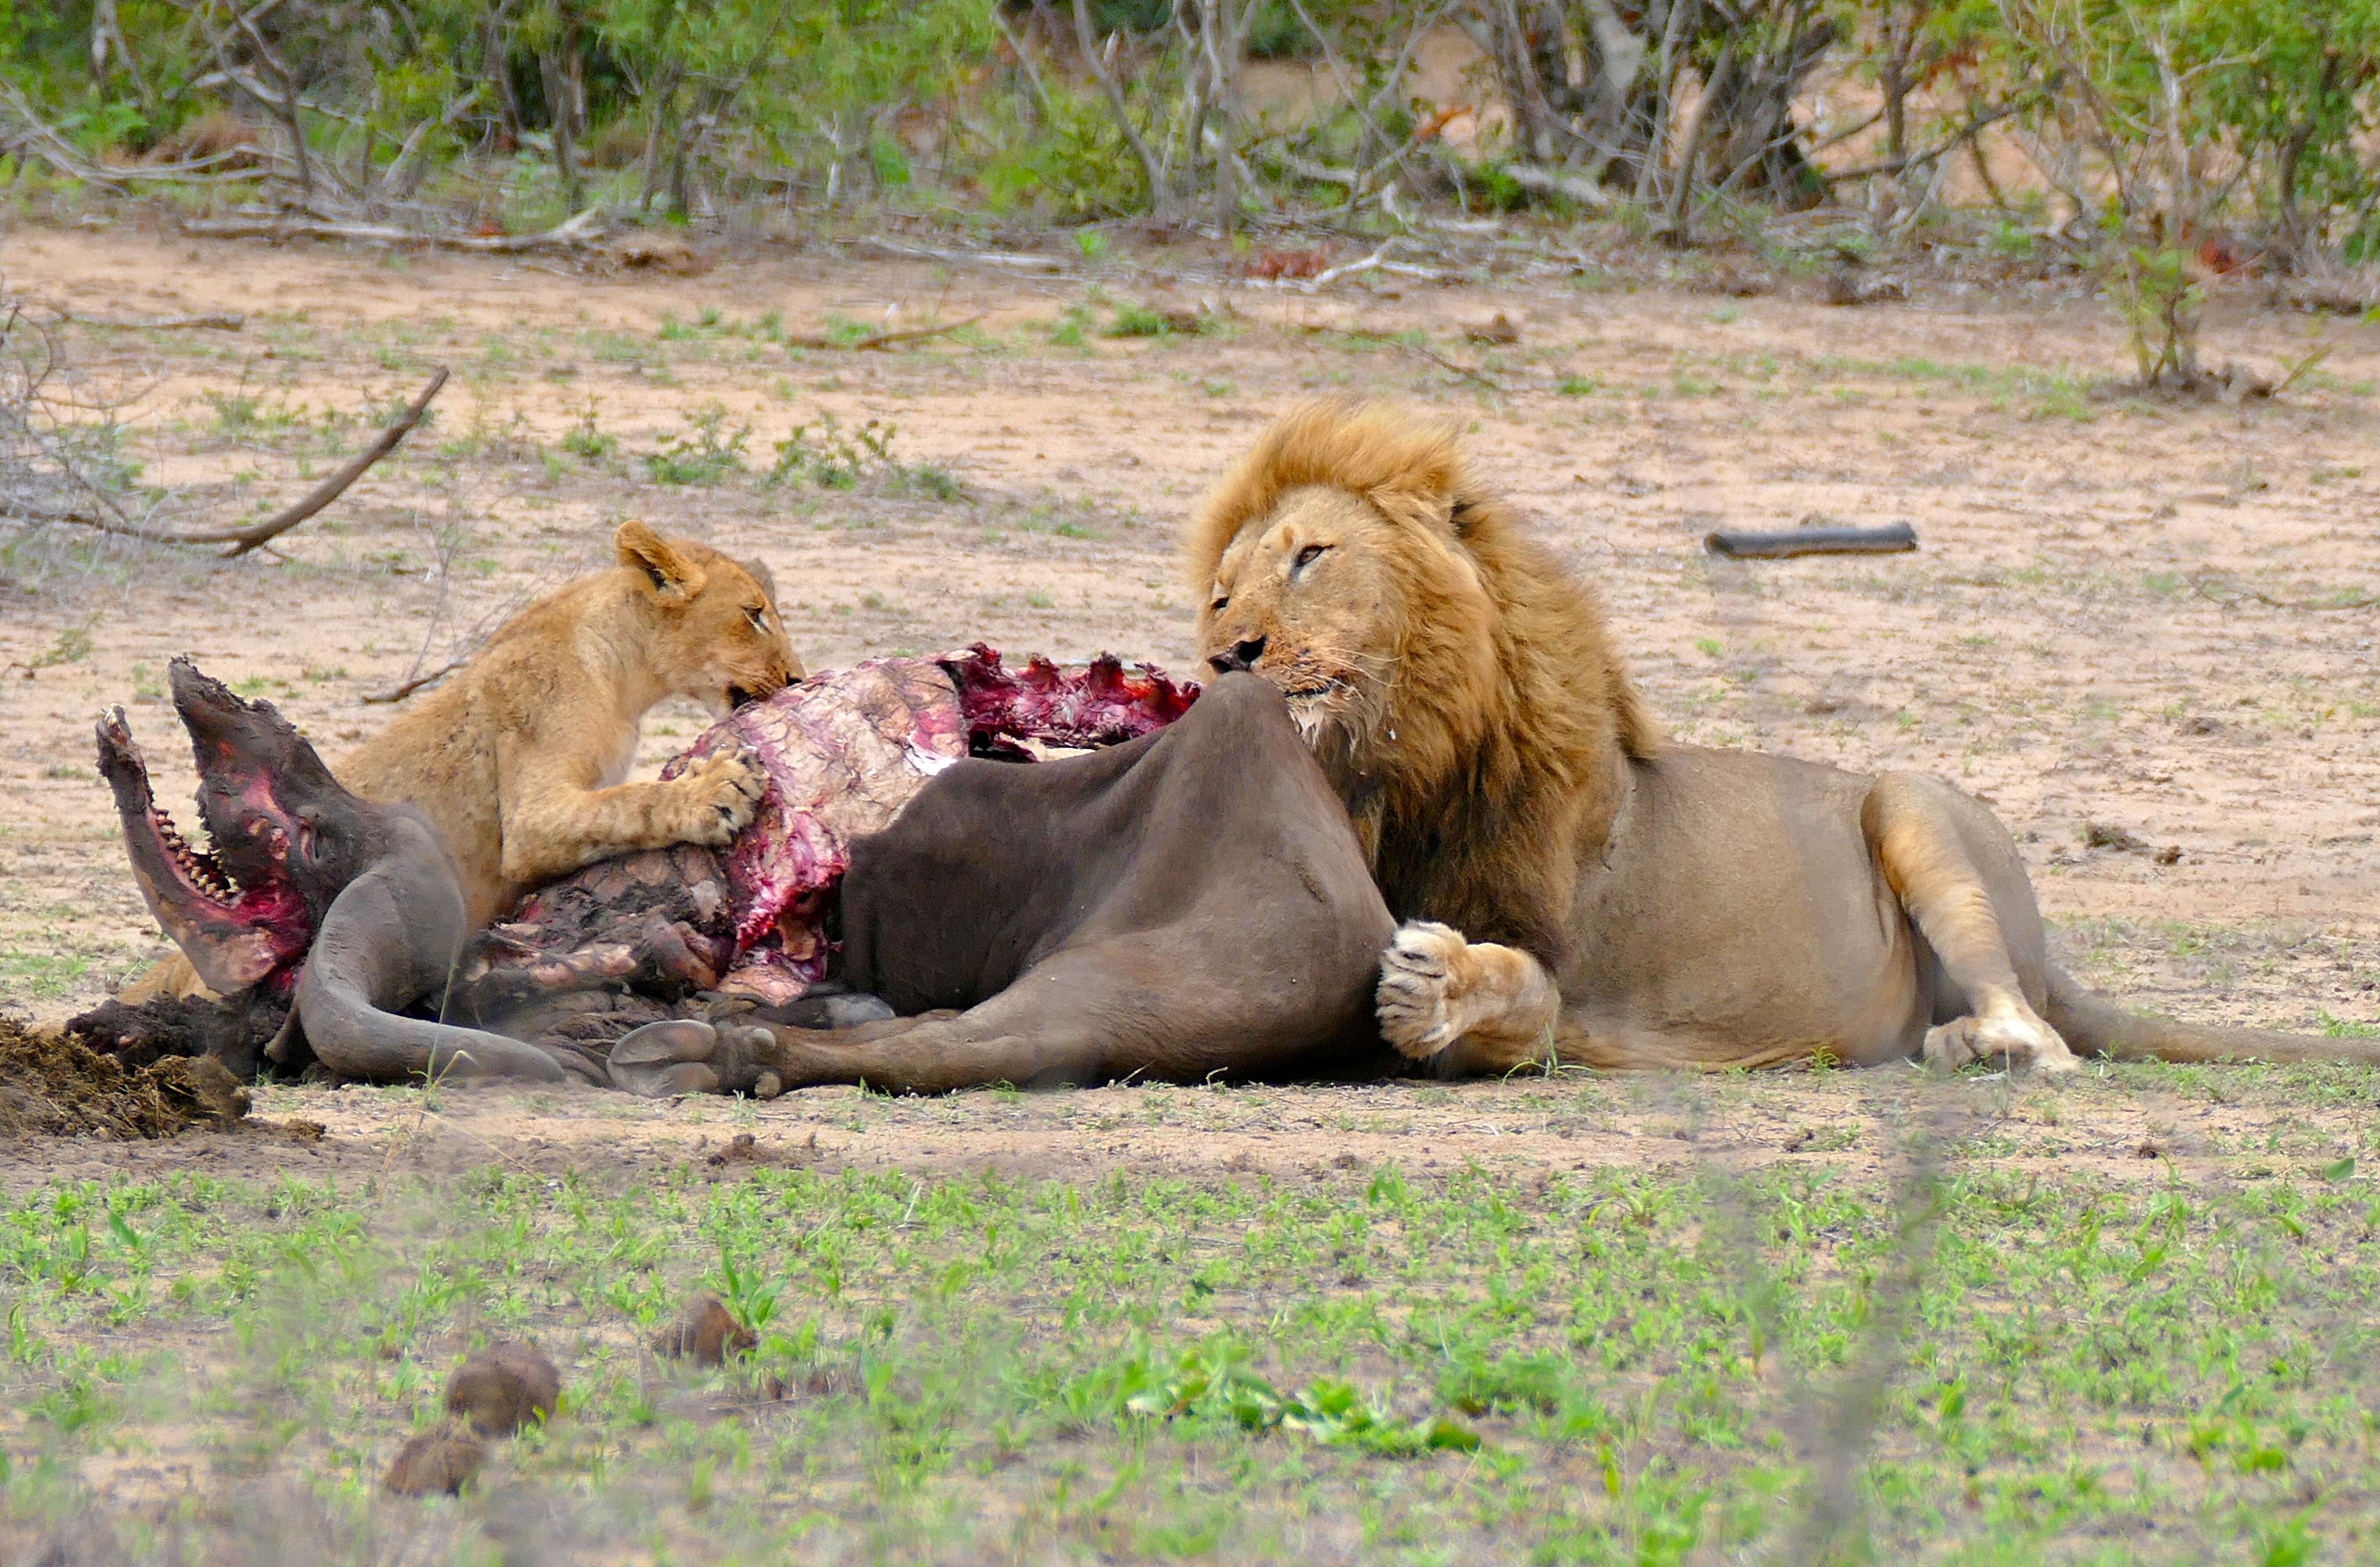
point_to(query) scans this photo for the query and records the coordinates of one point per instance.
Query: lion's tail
(2094, 1026)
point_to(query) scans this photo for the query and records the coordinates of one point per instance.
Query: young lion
(519, 760)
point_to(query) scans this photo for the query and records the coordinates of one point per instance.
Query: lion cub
(517, 760)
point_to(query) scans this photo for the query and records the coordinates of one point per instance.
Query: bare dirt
(2056, 646)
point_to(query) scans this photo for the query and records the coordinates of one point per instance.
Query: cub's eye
(759, 617)
(1309, 555)
(1219, 605)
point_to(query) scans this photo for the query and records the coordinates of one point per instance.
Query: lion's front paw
(721, 792)
(2025, 1043)
(1418, 988)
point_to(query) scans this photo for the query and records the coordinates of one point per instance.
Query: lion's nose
(1243, 655)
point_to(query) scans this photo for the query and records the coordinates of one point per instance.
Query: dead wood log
(584, 229)
(1748, 544)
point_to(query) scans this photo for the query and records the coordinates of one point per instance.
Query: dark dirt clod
(237, 1030)
(704, 1333)
(442, 1459)
(504, 1388)
(54, 1086)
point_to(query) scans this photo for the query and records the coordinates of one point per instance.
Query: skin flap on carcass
(846, 750)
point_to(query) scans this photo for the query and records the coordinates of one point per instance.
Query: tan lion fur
(518, 758)
(1573, 887)
(1486, 716)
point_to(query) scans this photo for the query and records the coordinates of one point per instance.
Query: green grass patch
(1514, 1364)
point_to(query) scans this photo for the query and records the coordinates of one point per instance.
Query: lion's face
(1319, 596)
(719, 639)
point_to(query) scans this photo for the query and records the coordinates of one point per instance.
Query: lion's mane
(1480, 781)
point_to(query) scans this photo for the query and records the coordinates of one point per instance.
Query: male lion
(1570, 884)
(519, 760)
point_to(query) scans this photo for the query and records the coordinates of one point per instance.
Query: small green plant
(1091, 243)
(708, 451)
(1578, 385)
(2162, 306)
(584, 439)
(1139, 321)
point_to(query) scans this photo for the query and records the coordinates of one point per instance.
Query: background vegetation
(2244, 128)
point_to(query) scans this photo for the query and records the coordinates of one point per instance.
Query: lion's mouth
(738, 696)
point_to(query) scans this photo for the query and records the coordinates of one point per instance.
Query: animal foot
(1419, 991)
(685, 1055)
(722, 791)
(2026, 1042)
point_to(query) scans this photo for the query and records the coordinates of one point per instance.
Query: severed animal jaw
(245, 911)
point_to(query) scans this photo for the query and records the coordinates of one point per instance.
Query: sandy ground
(2047, 648)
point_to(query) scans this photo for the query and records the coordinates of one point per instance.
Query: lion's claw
(1415, 1001)
(725, 787)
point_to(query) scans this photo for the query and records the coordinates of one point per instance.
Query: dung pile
(56, 1087)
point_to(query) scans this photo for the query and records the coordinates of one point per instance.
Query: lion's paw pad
(1416, 994)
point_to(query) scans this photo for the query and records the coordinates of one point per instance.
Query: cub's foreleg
(555, 825)
(1496, 1006)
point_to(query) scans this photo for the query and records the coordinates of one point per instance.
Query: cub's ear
(760, 570)
(674, 578)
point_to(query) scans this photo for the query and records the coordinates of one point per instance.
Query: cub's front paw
(720, 792)
(1419, 988)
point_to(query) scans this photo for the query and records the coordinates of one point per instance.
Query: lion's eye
(1309, 555)
(1219, 605)
(759, 617)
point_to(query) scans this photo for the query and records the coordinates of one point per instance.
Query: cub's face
(718, 639)
(726, 647)
(1311, 597)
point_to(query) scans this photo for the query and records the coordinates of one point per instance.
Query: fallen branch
(881, 339)
(243, 540)
(1746, 544)
(1376, 261)
(1476, 377)
(1551, 182)
(211, 321)
(584, 229)
(987, 258)
(2249, 595)
(398, 692)
(323, 494)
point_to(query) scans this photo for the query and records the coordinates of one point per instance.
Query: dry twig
(2207, 591)
(879, 340)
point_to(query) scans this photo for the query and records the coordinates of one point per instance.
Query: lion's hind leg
(1492, 1007)
(1950, 864)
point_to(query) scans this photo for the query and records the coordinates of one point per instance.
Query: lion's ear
(762, 575)
(674, 578)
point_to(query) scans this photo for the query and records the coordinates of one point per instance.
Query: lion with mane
(1571, 885)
